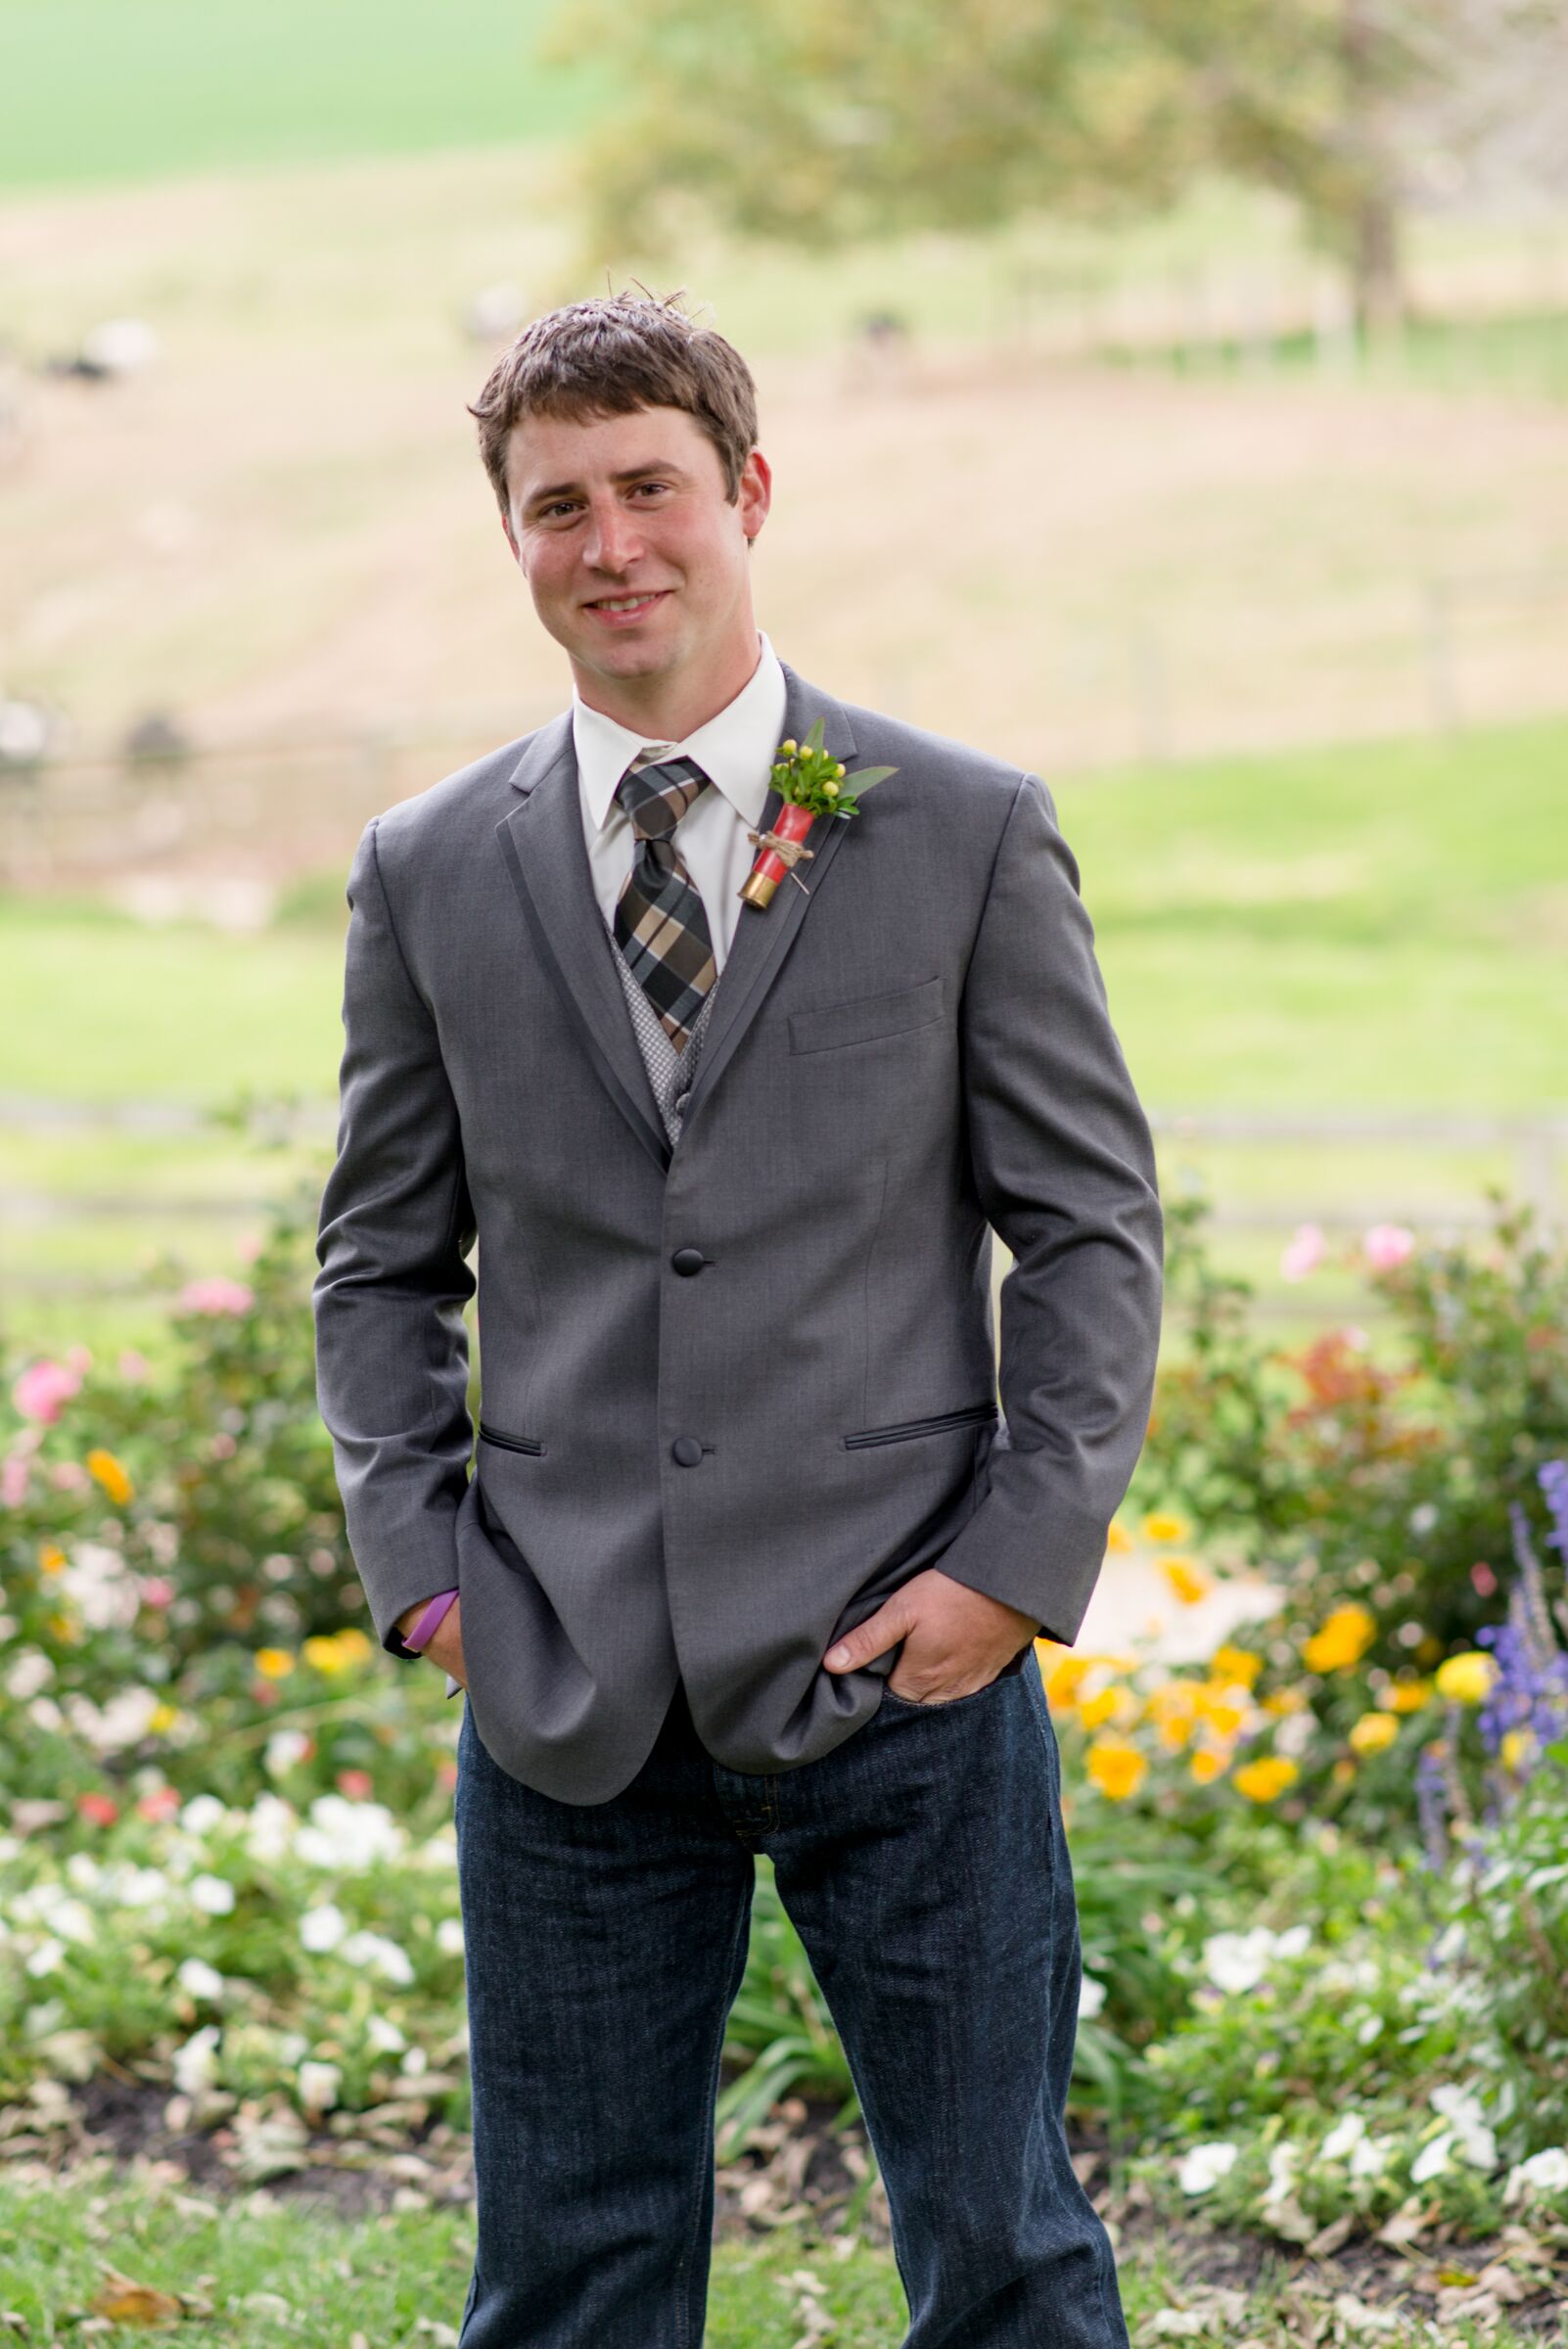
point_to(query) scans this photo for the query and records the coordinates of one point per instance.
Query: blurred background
(1174, 400)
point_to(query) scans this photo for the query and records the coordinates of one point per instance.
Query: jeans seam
(704, 2152)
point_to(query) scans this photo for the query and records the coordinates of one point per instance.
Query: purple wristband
(424, 1631)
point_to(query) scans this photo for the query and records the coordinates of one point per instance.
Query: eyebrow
(634, 472)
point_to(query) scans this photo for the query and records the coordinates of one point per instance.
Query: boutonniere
(811, 782)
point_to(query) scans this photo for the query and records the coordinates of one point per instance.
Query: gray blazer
(734, 1391)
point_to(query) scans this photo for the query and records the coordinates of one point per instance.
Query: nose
(613, 542)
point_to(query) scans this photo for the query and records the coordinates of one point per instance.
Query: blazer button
(687, 1450)
(688, 1260)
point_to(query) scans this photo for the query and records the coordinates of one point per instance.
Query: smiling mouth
(627, 607)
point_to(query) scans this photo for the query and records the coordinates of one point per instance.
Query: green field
(153, 89)
(1382, 929)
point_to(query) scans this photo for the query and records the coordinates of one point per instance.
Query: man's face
(634, 554)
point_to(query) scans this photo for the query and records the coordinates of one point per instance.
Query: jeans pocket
(947, 1704)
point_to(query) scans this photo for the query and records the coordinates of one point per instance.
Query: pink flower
(1482, 1576)
(357, 1784)
(223, 1445)
(79, 1359)
(1304, 1252)
(70, 1476)
(12, 1482)
(134, 1367)
(101, 1809)
(1386, 1245)
(162, 1803)
(218, 1294)
(248, 1246)
(44, 1389)
(157, 1590)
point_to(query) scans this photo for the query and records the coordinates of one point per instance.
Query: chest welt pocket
(505, 1443)
(969, 1414)
(867, 1018)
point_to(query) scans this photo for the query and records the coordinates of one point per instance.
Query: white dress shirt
(736, 749)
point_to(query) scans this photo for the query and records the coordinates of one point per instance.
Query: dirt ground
(281, 534)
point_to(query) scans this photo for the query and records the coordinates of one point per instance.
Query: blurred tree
(816, 123)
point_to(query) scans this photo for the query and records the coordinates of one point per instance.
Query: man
(748, 1560)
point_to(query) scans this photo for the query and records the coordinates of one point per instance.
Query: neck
(666, 708)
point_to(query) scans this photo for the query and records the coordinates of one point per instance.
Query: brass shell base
(758, 889)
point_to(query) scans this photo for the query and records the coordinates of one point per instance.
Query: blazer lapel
(547, 857)
(764, 936)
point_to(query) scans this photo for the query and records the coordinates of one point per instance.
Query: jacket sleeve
(396, 1228)
(1064, 1171)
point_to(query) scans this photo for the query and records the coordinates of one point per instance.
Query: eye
(652, 484)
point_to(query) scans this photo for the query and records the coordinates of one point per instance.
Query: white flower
(202, 1814)
(345, 1836)
(46, 1957)
(196, 2063)
(1204, 2166)
(1371, 2157)
(1343, 2137)
(384, 2036)
(449, 1937)
(45, 1714)
(320, 2084)
(1295, 1734)
(1476, 2142)
(1369, 2029)
(323, 1927)
(1294, 1942)
(1542, 2174)
(1090, 1997)
(200, 1980)
(1283, 2163)
(29, 1673)
(51, 1906)
(376, 1951)
(272, 1827)
(1433, 2160)
(1238, 1963)
(284, 1749)
(105, 1595)
(213, 1895)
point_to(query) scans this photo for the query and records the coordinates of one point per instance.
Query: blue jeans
(924, 1863)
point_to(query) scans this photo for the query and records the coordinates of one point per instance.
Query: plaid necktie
(660, 925)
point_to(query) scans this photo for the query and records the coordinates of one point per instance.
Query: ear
(506, 526)
(755, 494)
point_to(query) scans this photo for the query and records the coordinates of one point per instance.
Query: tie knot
(656, 792)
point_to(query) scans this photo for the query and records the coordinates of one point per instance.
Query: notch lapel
(542, 839)
(763, 936)
(547, 856)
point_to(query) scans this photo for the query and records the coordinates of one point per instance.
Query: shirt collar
(736, 749)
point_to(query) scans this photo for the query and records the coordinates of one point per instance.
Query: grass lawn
(273, 2268)
(1375, 928)
(143, 89)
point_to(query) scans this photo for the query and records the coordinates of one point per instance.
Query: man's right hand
(446, 1647)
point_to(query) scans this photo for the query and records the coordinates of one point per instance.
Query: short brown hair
(610, 356)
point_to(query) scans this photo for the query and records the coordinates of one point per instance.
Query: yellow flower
(1064, 1679)
(51, 1560)
(1186, 1578)
(1281, 1701)
(163, 1717)
(1206, 1764)
(324, 1654)
(1118, 1705)
(1516, 1749)
(273, 1663)
(1164, 1524)
(1219, 1708)
(1405, 1697)
(353, 1643)
(1117, 1767)
(1174, 1708)
(64, 1628)
(1343, 1772)
(112, 1476)
(1118, 1540)
(1265, 1780)
(1374, 1734)
(1342, 1641)
(1229, 1664)
(1466, 1679)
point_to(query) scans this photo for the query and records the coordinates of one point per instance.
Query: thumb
(878, 1632)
